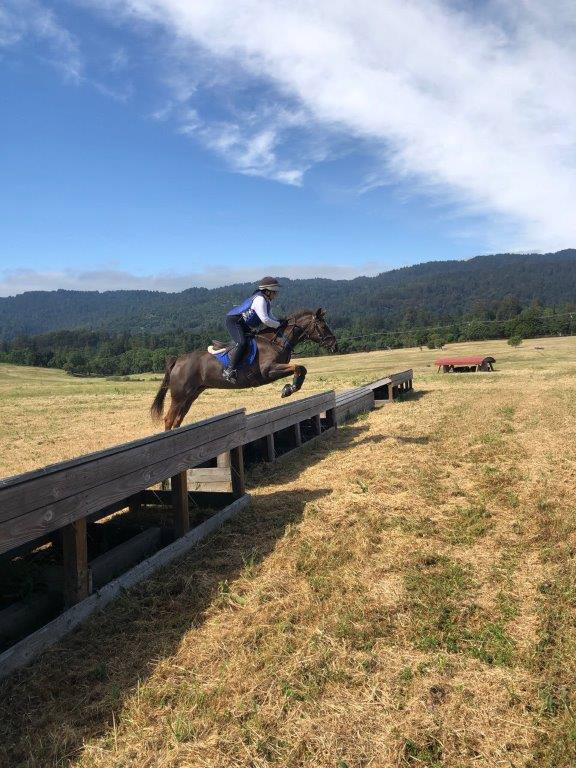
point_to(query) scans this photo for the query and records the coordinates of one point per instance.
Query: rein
(286, 342)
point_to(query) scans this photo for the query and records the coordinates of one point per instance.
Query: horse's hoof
(287, 390)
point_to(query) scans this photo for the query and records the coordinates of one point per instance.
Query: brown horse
(187, 376)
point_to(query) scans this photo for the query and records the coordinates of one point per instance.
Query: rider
(247, 317)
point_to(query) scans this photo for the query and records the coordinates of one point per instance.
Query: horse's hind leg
(181, 409)
(171, 415)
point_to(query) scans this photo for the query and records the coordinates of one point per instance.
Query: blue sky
(162, 143)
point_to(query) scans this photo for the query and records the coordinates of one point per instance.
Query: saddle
(219, 348)
(221, 351)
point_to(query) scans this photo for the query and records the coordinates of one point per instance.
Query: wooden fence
(50, 514)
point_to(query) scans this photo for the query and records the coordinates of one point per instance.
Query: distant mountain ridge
(436, 290)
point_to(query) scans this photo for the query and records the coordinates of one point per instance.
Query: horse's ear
(320, 313)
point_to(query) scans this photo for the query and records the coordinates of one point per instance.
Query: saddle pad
(247, 359)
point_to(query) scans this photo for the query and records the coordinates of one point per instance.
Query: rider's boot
(230, 374)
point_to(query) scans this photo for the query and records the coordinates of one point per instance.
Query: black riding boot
(235, 355)
(237, 330)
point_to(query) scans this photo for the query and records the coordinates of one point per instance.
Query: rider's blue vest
(246, 312)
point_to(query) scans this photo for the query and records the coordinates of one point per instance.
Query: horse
(189, 375)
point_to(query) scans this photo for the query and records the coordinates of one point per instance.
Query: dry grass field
(401, 595)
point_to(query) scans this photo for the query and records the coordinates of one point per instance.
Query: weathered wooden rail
(53, 514)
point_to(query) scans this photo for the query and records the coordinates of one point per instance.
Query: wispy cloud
(23, 21)
(472, 102)
(14, 281)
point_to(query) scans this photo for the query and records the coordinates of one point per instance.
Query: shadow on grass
(78, 688)
(413, 394)
(349, 435)
(422, 440)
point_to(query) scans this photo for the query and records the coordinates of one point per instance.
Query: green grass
(445, 617)
(403, 595)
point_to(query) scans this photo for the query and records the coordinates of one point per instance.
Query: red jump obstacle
(465, 364)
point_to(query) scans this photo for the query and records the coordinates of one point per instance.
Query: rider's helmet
(269, 284)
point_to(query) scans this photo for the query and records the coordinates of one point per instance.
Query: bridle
(286, 343)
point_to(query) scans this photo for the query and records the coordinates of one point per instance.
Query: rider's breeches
(237, 329)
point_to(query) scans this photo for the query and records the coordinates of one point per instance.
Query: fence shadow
(76, 690)
(353, 434)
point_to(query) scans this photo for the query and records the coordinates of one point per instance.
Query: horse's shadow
(353, 433)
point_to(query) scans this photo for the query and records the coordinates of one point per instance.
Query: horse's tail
(158, 404)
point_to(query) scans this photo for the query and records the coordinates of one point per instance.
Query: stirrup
(229, 374)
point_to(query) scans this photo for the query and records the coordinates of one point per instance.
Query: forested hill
(418, 295)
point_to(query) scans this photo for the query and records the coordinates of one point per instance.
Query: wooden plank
(23, 617)
(212, 478)
(119, 559)
(378, 383)
(179, 485)
(23, 494)
(38, 522)
(31, 647)
(353, 394)
(208, 475)
(208, 499)
(268, 447)
(89, 457)
(270, 414)
(256, 430)
(402, 376)
(363, 404)
(75, 562)
(211, 487)
(50, 537)
(317, 424)
(237, 471)
(308, 404)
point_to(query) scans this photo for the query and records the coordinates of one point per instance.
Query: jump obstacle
(470, 364)
(54, 510)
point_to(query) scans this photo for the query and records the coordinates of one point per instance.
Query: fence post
(317, 423)
(179, 485)
(268, 447)
(331, 418)
(135, 503)
(237, 471)
(297, 434)
(223, 460)
(75, 562)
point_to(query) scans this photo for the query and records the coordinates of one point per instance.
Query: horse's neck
(277, 336)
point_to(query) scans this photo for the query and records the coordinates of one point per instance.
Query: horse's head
(315, 328)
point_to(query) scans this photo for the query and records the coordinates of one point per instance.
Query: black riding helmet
(269, 284)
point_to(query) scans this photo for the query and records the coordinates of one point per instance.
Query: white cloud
(14, 281)
(473, 102)
(252, 146)
(29, 20)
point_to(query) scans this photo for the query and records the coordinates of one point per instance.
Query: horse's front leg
(281, 370)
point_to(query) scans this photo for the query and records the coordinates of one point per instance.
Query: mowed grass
(48, 416)
(401, 595)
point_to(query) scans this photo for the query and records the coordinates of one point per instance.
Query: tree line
(105, 353)
(423, 295)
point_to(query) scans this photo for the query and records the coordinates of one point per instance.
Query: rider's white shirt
(259, 306)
